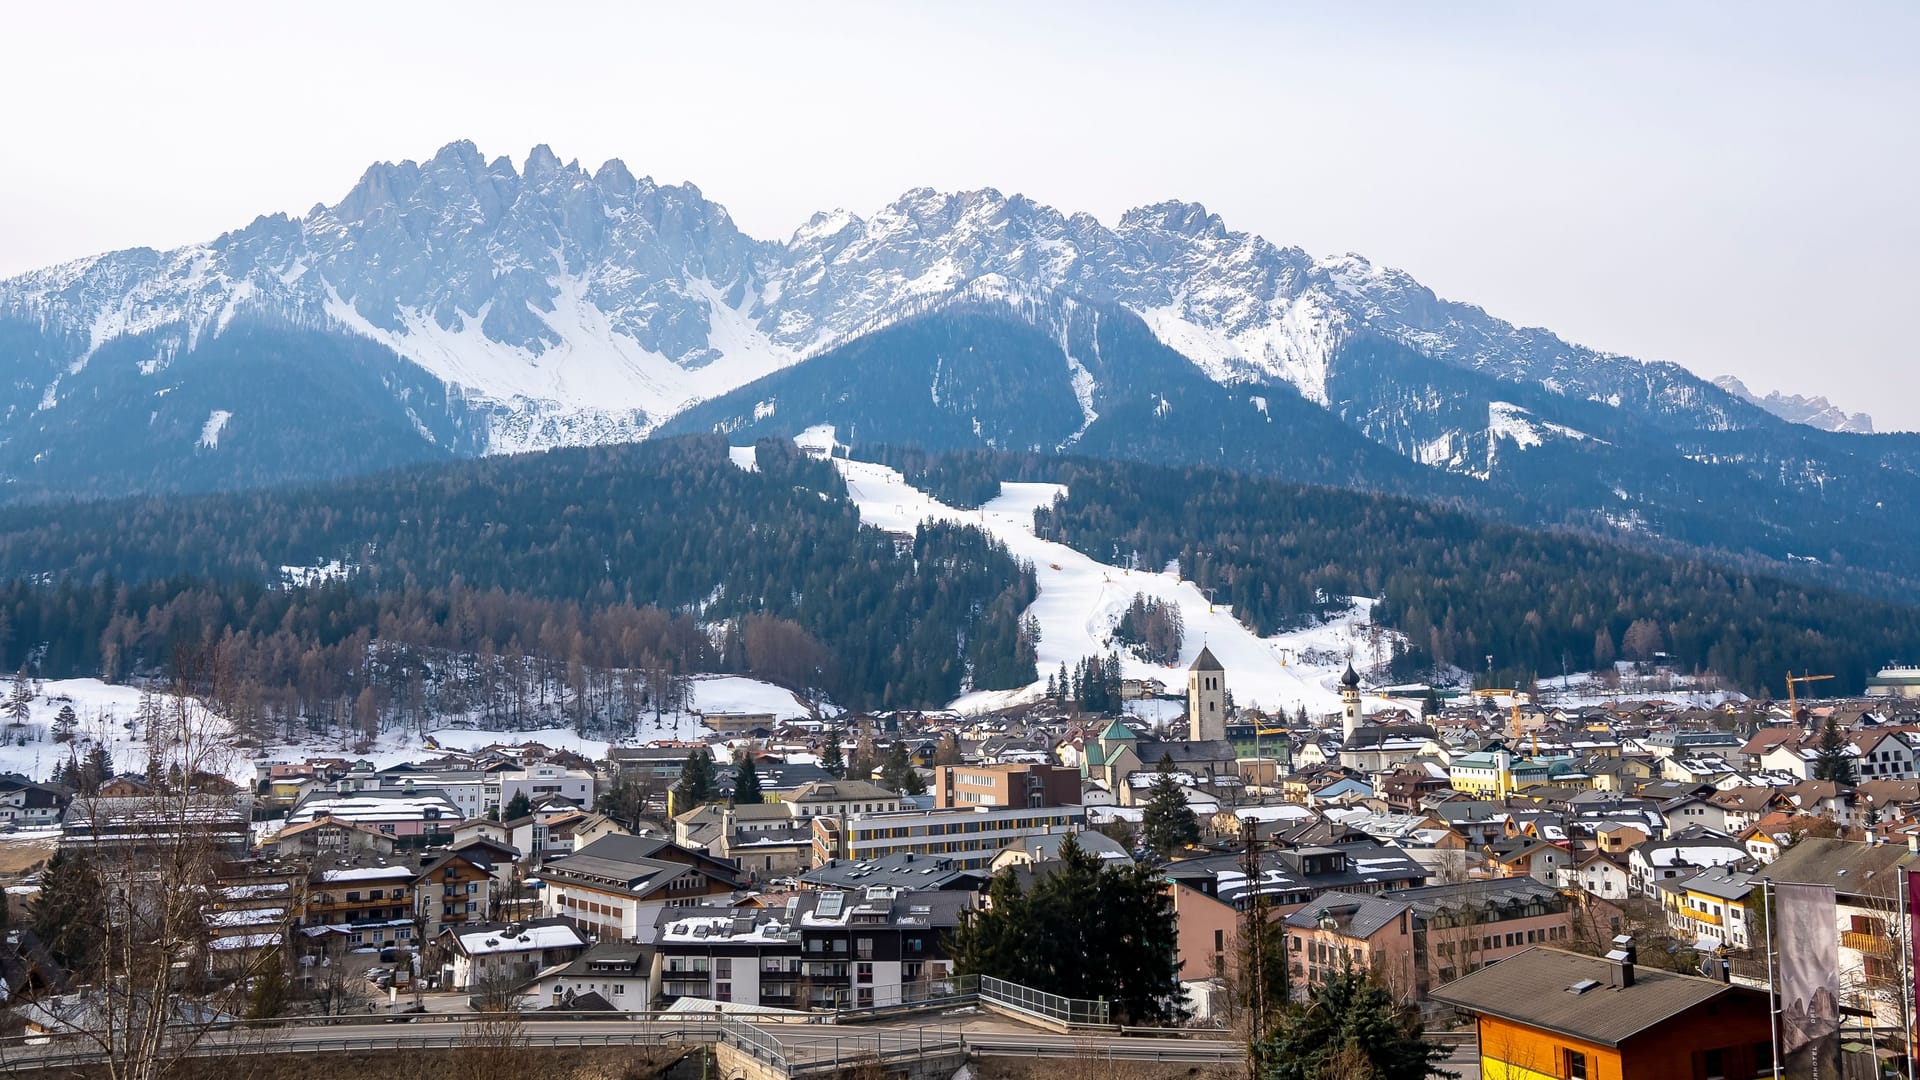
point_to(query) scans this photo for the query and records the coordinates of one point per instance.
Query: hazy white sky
(1730, 186)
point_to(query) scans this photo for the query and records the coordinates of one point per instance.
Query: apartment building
(1029, 785)
(970, 838)
(613, 888)
(856, 948)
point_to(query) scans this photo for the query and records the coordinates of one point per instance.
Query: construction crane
(1515, 694)
(1793, 707)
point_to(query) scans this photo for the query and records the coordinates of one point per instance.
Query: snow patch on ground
(1081, 599)
(307, 576)
(210, 431)
(744, 457)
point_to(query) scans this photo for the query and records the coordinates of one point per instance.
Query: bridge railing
(1079, 1012)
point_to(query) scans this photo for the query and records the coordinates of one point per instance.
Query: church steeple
(1206, 698)
(1350, 701)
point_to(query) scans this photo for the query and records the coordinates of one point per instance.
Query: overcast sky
(1730, 186)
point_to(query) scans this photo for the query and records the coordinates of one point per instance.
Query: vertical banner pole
(1773, 997)
(1906, 964)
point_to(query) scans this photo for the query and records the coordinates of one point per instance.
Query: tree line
(581, 585)
(1461, 588)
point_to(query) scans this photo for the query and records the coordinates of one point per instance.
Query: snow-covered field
(1081, 599)
(108, 715)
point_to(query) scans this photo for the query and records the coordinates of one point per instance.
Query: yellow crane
(1793, 707)
(1514, 731)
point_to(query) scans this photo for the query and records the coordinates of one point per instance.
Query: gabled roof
(1359, 916)
(1532, 988)
(1852, 867)
(1205, 661)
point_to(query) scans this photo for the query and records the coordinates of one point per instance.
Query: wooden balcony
(1868, 944)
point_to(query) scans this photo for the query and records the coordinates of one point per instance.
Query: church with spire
(1123, 761)
(1372, 748)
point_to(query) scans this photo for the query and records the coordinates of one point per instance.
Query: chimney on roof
(1620, 962)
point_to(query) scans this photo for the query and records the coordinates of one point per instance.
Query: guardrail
(1074, 1012)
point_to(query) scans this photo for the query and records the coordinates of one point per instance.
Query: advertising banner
(1808, 945)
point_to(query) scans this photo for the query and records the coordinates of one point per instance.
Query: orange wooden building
(1548, 1014)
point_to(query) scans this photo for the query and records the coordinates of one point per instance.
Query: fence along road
(794, 1046)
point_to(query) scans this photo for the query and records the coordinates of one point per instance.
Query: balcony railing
(1707, 917)
(1870, 944)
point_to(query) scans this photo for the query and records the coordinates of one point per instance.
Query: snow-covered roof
(529, 938)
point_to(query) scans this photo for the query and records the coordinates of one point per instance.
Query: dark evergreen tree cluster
(1349, 1026)
(1461, 588)
(1832, 762)
(1167, 823)
(898, 774)
(493, 585)
(1084, 931)
(1153, 628)
(1094, 684)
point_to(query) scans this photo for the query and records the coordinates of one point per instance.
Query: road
(799, 1045)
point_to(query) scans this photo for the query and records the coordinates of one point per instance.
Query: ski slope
(1081, 599)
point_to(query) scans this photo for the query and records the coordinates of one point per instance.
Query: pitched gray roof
(1364, 915)
(1532, 988)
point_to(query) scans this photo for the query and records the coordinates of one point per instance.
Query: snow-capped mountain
(460, 306)
(1799, 409)
(571, 306)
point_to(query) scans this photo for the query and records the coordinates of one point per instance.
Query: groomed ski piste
(1081, 599)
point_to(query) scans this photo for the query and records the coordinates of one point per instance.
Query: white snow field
(106, 715)
(1081, 599)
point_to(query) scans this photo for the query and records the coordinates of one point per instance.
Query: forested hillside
(572, 566)
(1463, 589)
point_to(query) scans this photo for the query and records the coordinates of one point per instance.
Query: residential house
(1709, 908)
(502, 957)
(612, 888)
(1866, 880)
(1597, 873)
(1680, 855)
(326, 837)
(1551, 1013)
(25, 803)
(1431, 935)
(619, 973)
(454, 887)
(404, 815)
(841, 798)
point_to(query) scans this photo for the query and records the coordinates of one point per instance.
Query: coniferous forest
(595, 576)
(1461, 588)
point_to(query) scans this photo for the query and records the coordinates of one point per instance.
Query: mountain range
(1813, 411)
(459, 307)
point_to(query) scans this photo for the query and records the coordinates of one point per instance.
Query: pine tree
(898, 773)
(832, 758)
(64, 723)
(68, 910)
(1349, 1026)
(99, 767)
(518, 807)
(1833, 762)
(1084, 930)
(20, 704)
(1167, 823)
(746, 783)
(697, 781)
